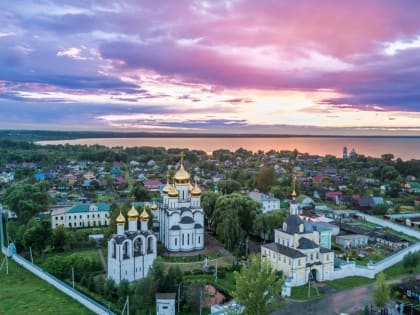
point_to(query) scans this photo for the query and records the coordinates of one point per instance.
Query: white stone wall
(351, 269)
(392, 225)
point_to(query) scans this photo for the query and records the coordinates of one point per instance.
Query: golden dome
(190, 187)
(120, 220)
(182, 176)
(196, 192)
(154, 206)
(165, 189)
(173, 192)
(133, 214)
(144, 216)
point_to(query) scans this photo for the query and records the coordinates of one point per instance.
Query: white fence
(391, 225)
(60, 285)
(63, 287)
(351, 269)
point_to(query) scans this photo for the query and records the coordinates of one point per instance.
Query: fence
(60, 285)
(369, 271)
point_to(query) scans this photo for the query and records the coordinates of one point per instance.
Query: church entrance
(313, 275)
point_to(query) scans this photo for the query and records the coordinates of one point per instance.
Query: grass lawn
(348, 283)
(210, 256)
(227, 283)
(301, 293)
(399, 270)
(23, 293)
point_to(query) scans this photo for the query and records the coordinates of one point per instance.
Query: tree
(257, 287)
(141, 193)
(381, 292)
(229, 186)
(234, 217)
(265, 179)
(59, 238)
(37, 235)
(265, 223)
(411, 261)
(208, 202)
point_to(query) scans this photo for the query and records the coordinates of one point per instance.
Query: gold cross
(182, 156)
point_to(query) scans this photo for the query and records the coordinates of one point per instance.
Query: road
(348, 301)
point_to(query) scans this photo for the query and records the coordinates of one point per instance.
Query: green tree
(411, 261)
(208, 202)
(265, 223)
(234, 217)
(257, 287)
(141, 193)
(266, 178)
(229, 186)
(59, 238)
(381, 292)
(38, 235)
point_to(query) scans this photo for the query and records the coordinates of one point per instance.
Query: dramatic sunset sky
(304, 67)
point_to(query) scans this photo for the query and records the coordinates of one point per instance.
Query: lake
(405, 148)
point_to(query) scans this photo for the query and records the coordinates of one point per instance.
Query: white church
(180, 216)
(131, 253)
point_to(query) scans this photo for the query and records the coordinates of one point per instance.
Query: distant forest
(40, 135)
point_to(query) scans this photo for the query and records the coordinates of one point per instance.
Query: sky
(278, 67)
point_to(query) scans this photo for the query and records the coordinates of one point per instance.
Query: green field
(23, 293)
(349, 282)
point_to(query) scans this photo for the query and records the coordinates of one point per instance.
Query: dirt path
(348, 301)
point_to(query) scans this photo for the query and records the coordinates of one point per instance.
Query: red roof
(333, 194)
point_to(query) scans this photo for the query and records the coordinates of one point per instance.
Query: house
(334, 196)
(414, 222)
(413, 187)
(152, 185)
(268, 203)
(39, 176)
(81, 215)
(390, 240)
(352, 240)
(410, 289)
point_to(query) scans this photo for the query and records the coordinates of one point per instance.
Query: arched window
(138, 244)
(150, 248)
(199, 240)
(182, 239)
(126, 253)
(114, 249)
(69, 224)
(188, 239)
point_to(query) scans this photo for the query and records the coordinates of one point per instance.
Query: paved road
(348, 301)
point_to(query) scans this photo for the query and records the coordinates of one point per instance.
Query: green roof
(84, 207)
(414, 185)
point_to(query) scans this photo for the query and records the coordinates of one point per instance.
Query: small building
(410, 289)
(268, 203)
(392, 241)
(165, 303)
(352, 240)
(81, 215)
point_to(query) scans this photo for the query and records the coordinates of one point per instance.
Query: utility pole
(201, 295)
(30, 252)
(179, 295)
(216, 272)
